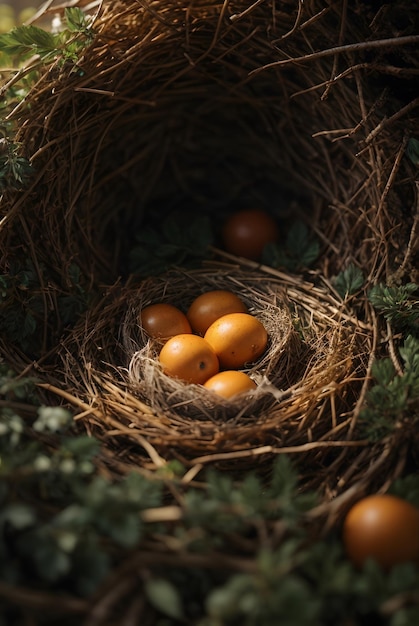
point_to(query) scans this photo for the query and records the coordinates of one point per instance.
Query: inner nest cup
(273, 371)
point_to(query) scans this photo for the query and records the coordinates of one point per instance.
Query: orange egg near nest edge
(384, 528)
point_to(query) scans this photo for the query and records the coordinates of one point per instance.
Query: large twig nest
(209, 106)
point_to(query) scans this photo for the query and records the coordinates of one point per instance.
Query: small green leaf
(300, 243)
(405, 616)
(15, 170)
(412, 151)
(19, 516)
(399, 305)
(182, 240)
(52, 563)
(300, 250)
(77, 21)
(164, 597)
(83, 447)
(349, 281)
(90, 565)
(125, 529)
(407, 487)
(383, 371)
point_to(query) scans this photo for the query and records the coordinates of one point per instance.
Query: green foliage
(13, 387)
(165, 597)
(23, 309)
(407, 488)
(255, 601)
(300, 250)
(392, 396)
(24, 41)
(316, 586)
(42, 47)
(412, 151)
(181, 240)
(399, 305)
(28, 40)
(349, 281)
(67, 547)
(228, 508)
(15, 170)
(90, 524)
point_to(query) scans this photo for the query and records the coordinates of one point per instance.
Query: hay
(207, 106)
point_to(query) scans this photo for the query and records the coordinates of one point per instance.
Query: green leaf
(409, 352)
(399, 305)
(388, 400)
(19, 516)
(15, 170)
(90, 565)
(25, 40)
(407, 488)
(182, 240)
(41, 547)
(76, 19)
(164, 597)
(405, 616)
(412, 151)
(125, 529)
(383, 371)
(301, 249)
(349, 281)
(83, 447)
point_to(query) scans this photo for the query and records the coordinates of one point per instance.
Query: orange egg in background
(190, 358)
(237, 339)
(209, 306)
(230, 383)
(163, 320)
(245, 233)
(384, 528)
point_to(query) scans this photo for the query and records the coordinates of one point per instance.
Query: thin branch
(351, 47)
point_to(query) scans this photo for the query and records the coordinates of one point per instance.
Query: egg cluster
(210, 343)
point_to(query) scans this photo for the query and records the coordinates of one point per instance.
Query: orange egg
(384, 528)
(230, 383)
(237, 338)
(211, 305)
(246, 233)
(189, 358)
(163, 320)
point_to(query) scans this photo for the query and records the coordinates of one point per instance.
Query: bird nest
(304, 109)
(308, 377)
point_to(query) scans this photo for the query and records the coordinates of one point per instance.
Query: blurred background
(15, 13)
(21, 11)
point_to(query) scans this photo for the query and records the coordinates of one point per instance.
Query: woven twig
(209, 106)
